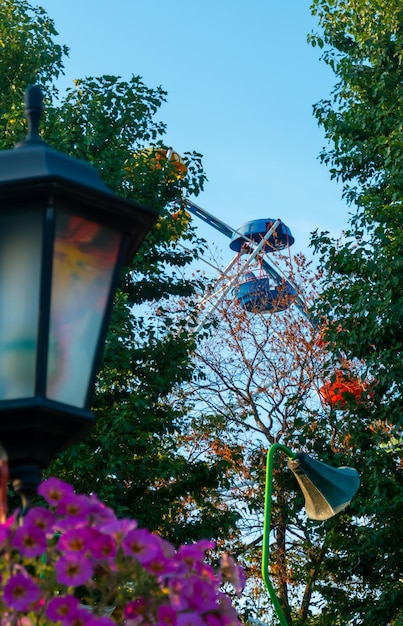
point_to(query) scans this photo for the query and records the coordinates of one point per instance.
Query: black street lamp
(64, 237)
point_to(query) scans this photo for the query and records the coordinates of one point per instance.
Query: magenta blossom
(193, 554)
(119, 529)
(20, 592)
(40, 517)
(54, 490)
(141, 544)
(61, 608)
(30, 540)
(103, 546)
(76, 540)
(73, 570)
(232, 573)
(74, 510)
(180, 590)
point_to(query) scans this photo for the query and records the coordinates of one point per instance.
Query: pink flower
(30, 540)
(203, 597)
(141, 544)
(20, 592)
(40, 517)
(61, 608)
(74, 509)
(73, 570)
(194, 553)
(180, 591)
(232, 573)
(103, 547)
(76, 540)
(119, 529)
(159, 565)
(54, 490)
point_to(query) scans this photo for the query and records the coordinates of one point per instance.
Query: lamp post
(64, 236)
(327, 491)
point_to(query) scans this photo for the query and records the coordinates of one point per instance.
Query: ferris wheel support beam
(223, 275)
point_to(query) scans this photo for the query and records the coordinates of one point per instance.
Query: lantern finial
(33, 100)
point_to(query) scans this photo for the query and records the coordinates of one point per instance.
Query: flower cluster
(76, 564)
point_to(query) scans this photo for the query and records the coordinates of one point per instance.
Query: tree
(132, 459)
(362, 300)
(259, 377)
(29, 55)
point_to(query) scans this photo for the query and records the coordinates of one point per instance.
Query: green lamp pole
(327, 491)
(266, 528)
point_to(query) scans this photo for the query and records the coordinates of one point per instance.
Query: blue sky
(241, 81)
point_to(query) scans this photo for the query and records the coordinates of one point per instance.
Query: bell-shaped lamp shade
(327, 490)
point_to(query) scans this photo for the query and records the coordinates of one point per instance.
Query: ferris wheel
(254, 277)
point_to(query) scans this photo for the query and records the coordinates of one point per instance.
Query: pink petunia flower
(75, 540)
(193, 554)
(103, 546)
(40, 517)
(61, 608)
(180, 592)
(159, 565)
(203, 597)
(232, 573)
(119, 529)
(73, 570)
(54, 490)
(74, 509)
(30, 540)
(141, 544)
(20, 592)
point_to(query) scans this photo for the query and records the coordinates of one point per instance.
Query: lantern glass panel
(84, 259)
(20, 274)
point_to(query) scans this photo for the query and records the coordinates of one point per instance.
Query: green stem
(266, 528)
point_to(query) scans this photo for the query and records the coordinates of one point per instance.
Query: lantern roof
(30, 161)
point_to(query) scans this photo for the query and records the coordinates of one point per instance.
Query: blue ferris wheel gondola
(258, 295)
(257, 229)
